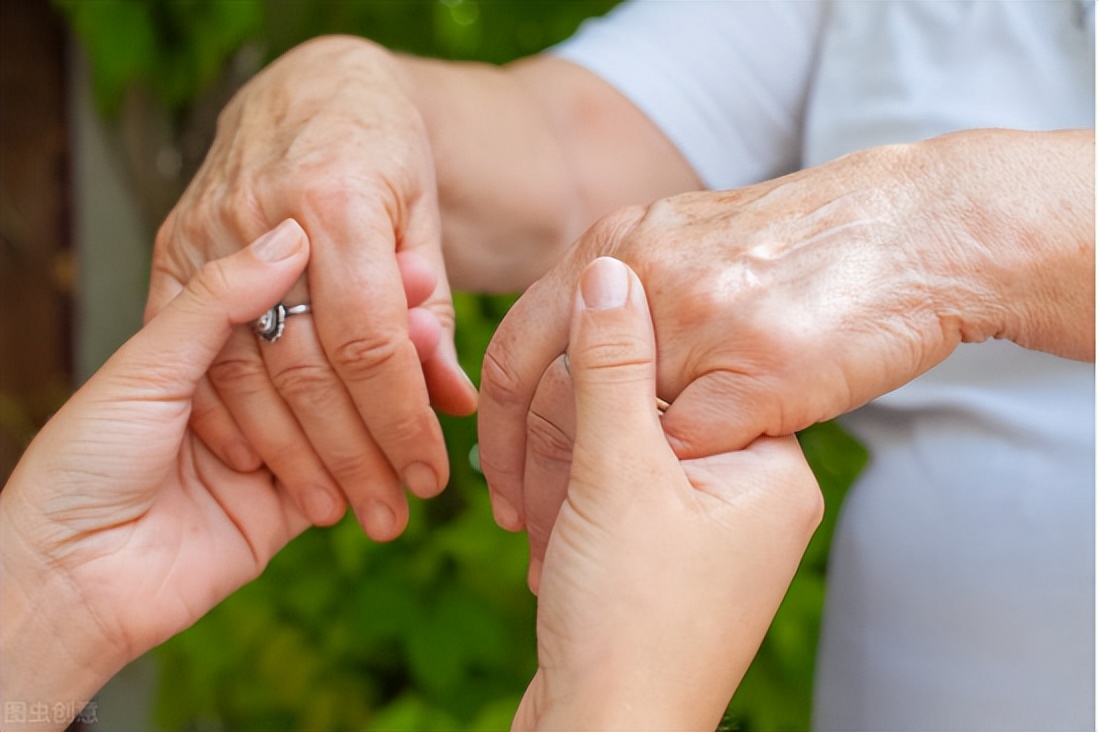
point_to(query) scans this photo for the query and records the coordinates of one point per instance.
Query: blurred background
(106, 110)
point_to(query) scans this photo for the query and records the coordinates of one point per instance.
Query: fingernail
(605, 284)
(505, 514)
(421, 480)
(279, 243)
(319, 505)
(379, 520)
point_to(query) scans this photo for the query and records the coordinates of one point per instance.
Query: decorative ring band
(270, 325)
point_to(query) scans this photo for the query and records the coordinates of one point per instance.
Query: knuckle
(306, 385)
(502, 475)
(616, 225)
(623, 354)
(297, 468)
(194, 223)
(362, 358)
(447, 316)
(407, 428)
(242, 209)
(328, 192)
(547, 441)
(239, 375)
(211, 284)
(663, 211)
(499, 382)
(352, 466)
(332, 187)
(170, 258)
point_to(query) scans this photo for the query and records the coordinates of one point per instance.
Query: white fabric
(961, 580)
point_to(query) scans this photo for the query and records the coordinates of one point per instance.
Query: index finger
(361, 316)
(531, 336)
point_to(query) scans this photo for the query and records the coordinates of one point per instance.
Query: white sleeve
(725, 80)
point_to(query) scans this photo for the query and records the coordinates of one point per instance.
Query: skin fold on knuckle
(355, 466)
(409, 429)
(244, 377)
(296, 464)
(212, 284)
(547, 442)
(499, 382)
(179, 250)
(604, 359)
(308, 386)
(196, 224)
(207, 298)
(368, 357)
(615, 226)
(241, 211)
(334, 188)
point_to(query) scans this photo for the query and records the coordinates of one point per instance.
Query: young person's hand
(661, 576)
(119, 528)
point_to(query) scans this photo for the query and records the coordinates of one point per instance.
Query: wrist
(508, 200)
(1014, 238)
(53, 651)
(634, 697)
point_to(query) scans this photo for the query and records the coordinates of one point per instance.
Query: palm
(171, 533)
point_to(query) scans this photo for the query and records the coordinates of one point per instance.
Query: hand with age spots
(793, 301)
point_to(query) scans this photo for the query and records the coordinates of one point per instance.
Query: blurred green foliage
(436, 629)
(174, 48)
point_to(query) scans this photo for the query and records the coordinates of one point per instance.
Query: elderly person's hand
(793, 301)
(661, 576)
(119, 528)
(340, 407)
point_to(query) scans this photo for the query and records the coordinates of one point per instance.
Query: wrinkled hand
(135, 525)
(775, 307)
(340, 407)
(661, 576)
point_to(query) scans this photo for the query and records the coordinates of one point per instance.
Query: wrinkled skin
(775, 306)
(340, 407)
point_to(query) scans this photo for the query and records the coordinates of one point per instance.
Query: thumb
(177, 346)
(612, 358)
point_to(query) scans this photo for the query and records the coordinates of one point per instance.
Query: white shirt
(961, 579)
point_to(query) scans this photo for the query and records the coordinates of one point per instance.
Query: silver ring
(270, 325)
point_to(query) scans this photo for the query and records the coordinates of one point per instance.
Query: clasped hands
(117, 508)
(777, 305)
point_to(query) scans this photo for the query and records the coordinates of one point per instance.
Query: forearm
(1019, 213)
(527, 157)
